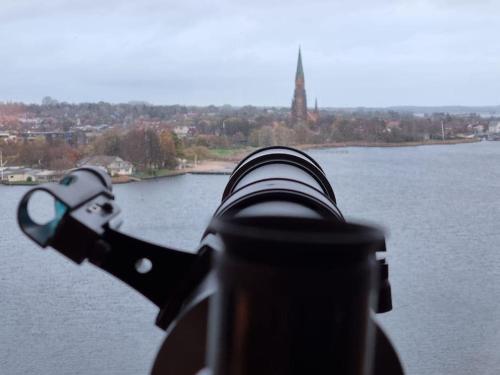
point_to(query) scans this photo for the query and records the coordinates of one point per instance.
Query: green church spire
(300, 70)
(299, 101)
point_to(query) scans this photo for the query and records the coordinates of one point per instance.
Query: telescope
(280, 283)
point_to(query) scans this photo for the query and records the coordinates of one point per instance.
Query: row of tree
(340, 129)
(150, 148)
(56, 155)
(146, 148)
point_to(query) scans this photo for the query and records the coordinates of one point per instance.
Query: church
(299, 113)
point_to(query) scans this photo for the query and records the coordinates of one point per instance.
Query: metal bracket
(87, 228)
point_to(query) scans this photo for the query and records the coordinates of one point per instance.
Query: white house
(494, 127)
(46, 175)
(7, 137)
(19, 175)
(115, 165)
(181, 131)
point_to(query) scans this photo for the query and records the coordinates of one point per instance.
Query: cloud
(201, 52)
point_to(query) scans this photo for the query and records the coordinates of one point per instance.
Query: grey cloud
(202, 52)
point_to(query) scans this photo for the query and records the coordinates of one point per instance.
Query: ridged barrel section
(280, 181)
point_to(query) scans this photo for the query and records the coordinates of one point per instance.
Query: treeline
(61, 114)
(234, 132)
(147, 149)
(57, 155)
(151, 147)
(376, 130)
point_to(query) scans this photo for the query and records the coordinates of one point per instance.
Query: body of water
(439, 205)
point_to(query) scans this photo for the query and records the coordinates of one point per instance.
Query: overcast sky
(355, 53)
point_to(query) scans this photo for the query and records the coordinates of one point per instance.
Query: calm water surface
(439, 204)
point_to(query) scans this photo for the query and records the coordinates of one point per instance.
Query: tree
(57, 155)
(110, 143)
(233, 125)
(61, 157)
(266, 136)
(303, 134)
(47, 100)
(142, 147)
(283, 136)
(342, 130)
(133, 148)
(152, 146)
(167, 144)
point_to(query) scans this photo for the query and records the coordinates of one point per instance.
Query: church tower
(299, 102)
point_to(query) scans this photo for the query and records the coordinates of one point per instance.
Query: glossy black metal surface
(293, 302)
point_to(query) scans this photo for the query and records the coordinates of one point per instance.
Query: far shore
(213, 167)
(225, 166)
(387, 144)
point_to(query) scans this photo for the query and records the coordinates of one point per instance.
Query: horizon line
(145, 102)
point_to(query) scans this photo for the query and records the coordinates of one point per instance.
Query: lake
(439, 205)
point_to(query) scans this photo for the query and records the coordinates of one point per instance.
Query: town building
(181, 131)
(71, 137)
(9, 175)
(47, 175)
(7, 137)
(18, 175)
(494, 131)
(114, 165)
(494, 127)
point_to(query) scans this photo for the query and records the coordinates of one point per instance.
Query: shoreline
(205, 167)
(225, 166)
(386, 144)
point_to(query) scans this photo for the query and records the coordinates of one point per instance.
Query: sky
(371, 53)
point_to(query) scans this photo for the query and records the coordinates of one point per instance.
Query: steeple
(299, 101)
(300, 69)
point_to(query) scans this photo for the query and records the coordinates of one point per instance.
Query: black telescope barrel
(296, 283)
(278, 162)
(279, 181)
(279, 197)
